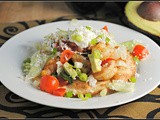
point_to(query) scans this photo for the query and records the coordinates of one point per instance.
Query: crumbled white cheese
(59, 67)
(88, 35)
(92, 81)
(137, 75)
(63, 46)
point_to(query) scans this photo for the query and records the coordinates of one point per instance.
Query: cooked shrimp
(120, 52)
(127, 71)
(107, 72)
(113, 71)
(105, 50)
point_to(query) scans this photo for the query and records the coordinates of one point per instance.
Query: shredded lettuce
(62, 34)
(38, 61)
(38, 46)
(46, 45)
(121, 86)
(26, 66)
(130, 45)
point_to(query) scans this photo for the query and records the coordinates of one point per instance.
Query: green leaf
(66, 77)
(81, 96)
(88, 28)
(54, 51)
(77, 37)
(136, 59)
(69, 94)
(27, 60)
(107, 40)
(88, 95)
(78, 71)
(133, 79)
(94, 41)
(100, 36)
(84, 97)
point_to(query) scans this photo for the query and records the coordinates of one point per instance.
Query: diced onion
(78, 65)
(92, 81)
(83, 77)
(59, 67)
(103, 92)
(133, 79)
(69, 94)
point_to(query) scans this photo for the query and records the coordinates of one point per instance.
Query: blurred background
(138, 15)
(26, 11)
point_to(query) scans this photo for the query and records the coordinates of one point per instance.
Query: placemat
(13, 106)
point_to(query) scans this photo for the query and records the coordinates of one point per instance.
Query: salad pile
(84, 62)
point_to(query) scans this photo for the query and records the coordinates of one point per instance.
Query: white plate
(15, 50)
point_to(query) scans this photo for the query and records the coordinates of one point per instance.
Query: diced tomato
(59, 92)
(140, 51)
(49, 83)
(106, 61)
(105, 28)
(65, 56)
(62, 82)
